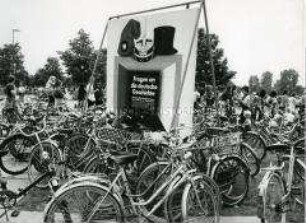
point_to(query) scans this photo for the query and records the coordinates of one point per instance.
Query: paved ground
(35, 217)
(15, 182)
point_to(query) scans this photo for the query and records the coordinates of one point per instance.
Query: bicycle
(89, 157)
(278, 188)
(101, 202)
(9, 199)
(223, 171)
(15, 149)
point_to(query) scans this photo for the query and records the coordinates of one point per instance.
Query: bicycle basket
(226, 140)
(112, 134)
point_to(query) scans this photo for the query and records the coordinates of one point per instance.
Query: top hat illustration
(163, 40)
(130, 32)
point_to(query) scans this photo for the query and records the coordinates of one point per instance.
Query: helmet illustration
(144, 49)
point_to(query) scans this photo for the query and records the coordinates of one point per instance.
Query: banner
(146, 59)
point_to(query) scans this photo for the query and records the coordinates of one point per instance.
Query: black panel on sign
(144, 93)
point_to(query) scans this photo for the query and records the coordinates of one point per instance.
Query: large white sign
(146, 60)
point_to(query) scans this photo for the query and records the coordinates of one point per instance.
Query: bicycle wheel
(15, 152)
(199, 203)
(232, 176)
(174, 201)
(271, 201)
(145, 157)
(257, 143)
(75, 151)
(41, 157)
(85, 202)
(97, 166)
(298, 183)
(149, 182)
(250, 157)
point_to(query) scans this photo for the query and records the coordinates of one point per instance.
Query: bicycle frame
(172, 182)
(279, 170)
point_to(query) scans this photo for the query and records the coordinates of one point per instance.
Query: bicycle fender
(211, 174)
(152, 164)
(95, 179)
(83, 183)
(51, 141)
(259, 135)
(263, 184)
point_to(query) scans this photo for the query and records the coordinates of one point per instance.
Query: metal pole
(155, 9)
(13, 42)
(13, 33)
(212, 67)
(91, 80)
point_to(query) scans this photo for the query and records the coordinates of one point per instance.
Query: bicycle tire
(145, 158)
(232, 176)
(174, 201)
(199, 203)
(74, 203)
(298, 179)
(257, 143)
(148, 183)
(42, 155)
(15, 154)
(250, 158)
(96, 166)
(271, 199)
(75, 151)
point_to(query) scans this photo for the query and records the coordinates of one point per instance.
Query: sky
(257, 35)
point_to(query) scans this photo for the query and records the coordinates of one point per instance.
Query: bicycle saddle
(278, 147)
(124, 158)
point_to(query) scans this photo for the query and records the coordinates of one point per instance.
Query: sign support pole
(212, 67)
(91, 80)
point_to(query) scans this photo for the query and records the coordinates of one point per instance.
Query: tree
(266, 81)
(80, 57)
(254, 84)
(51, 68)
(11, 63)
(203, 70)
(288, 81)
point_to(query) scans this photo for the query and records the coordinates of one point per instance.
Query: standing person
(228, 97)
(273, 103)
(209, 98)
(81, 96)
(50, 89)
(245, 103)
(91, 100)
(99, 94)
(292, 103)
(59, 97)
(21, 92)
(11, 111)
(283, 101)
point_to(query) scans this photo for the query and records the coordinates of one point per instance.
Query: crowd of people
(232, 101)
(54, 92)
(253, 106)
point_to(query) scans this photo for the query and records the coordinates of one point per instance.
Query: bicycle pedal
(15, 213)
